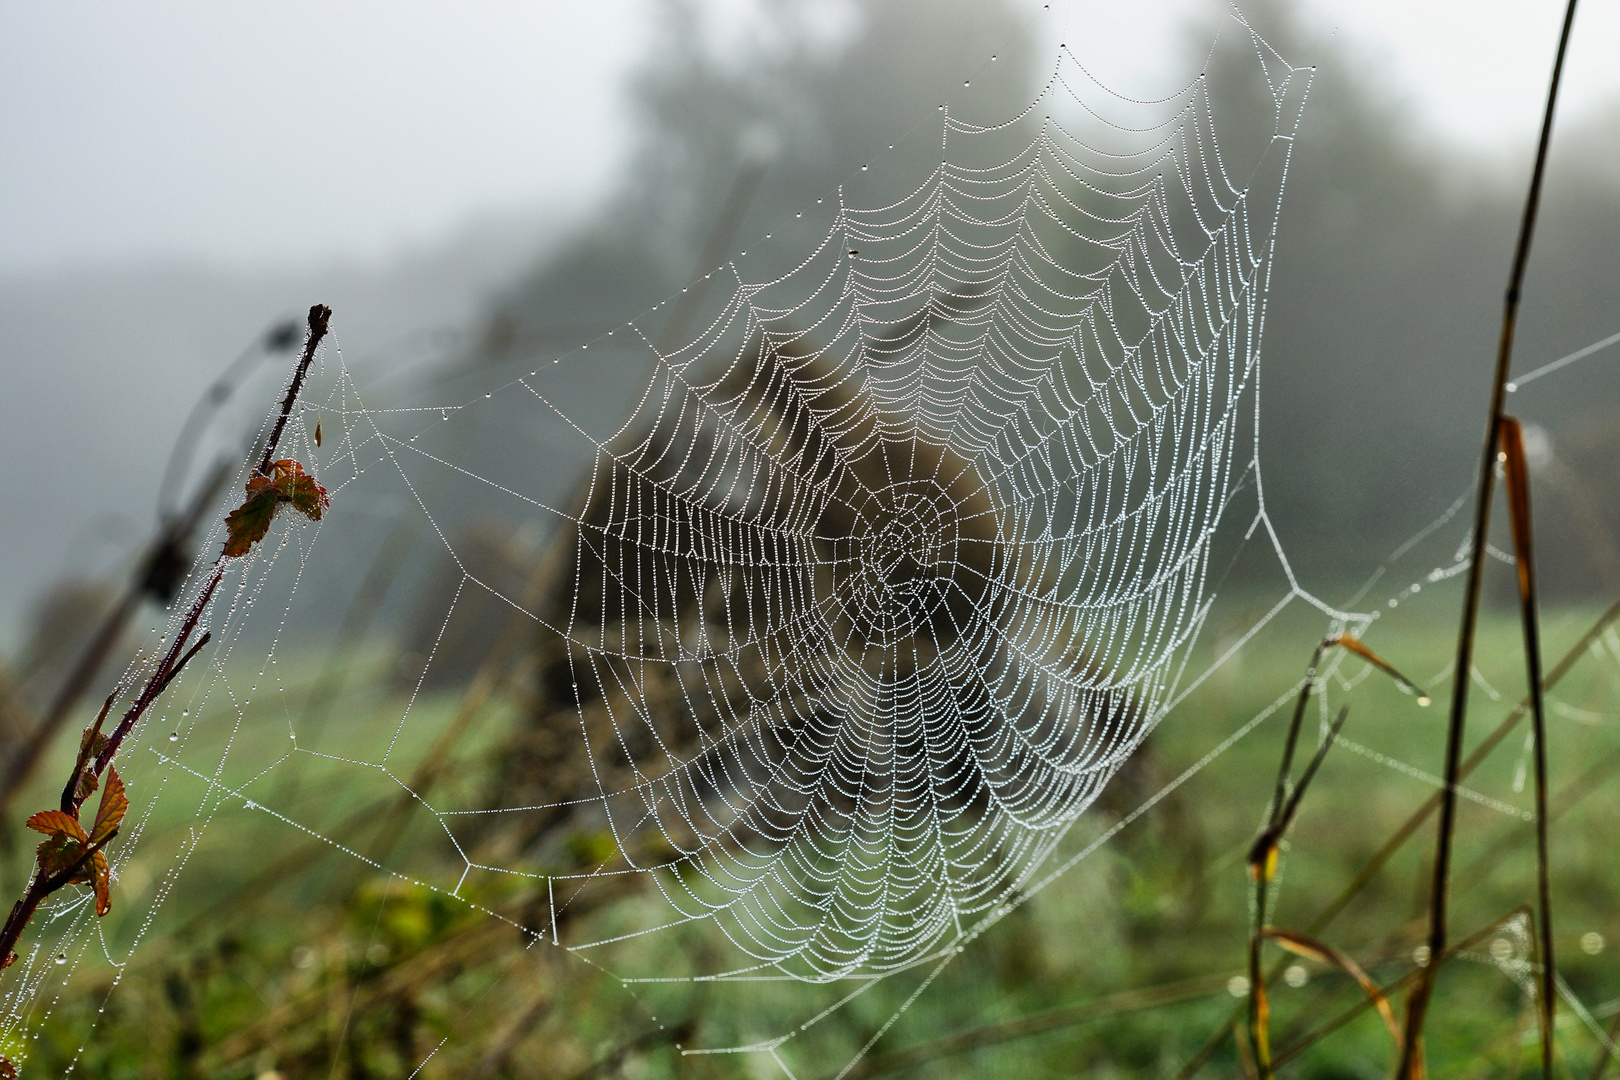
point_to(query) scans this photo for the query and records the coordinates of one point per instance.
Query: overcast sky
(297, 131)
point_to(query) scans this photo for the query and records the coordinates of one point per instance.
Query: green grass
(361, 959)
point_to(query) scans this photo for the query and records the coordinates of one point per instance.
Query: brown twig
(1418, 1003)
(1284, 807)
(319, 317)
(152, 578)
(94, 762)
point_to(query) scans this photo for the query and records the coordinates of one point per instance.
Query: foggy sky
(296, 132)
(179, 175)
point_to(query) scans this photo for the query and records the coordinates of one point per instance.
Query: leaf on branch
(64, 844)
(111, 810)
(1354, 645)
(247, 524)
(287, 482)
(90, 745)
(103, 882)
(51, 822)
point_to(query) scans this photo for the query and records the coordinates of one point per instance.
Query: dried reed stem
(1418, 1004)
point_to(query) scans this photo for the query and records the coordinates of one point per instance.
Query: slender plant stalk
(1284, 806)
(74, 793)
(1262, 864)
(1407, 829)
(1418, 1002)
(1518, 489)
(1309, 1040)
(170, 543)
(319, 317)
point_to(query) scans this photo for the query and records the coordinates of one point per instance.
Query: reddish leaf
(98, 866)
(111, 810)
(287, 482)
(87, 786)
(57, 854)
(51, 822)
(92, 741)
(247, 524)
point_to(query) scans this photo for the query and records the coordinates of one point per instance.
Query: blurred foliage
(282, 956)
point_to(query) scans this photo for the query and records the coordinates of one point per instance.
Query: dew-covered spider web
(888, 566)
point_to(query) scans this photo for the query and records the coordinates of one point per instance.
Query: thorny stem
(173, 661)
(169, 543)
(22, 912)
(1418, 1003)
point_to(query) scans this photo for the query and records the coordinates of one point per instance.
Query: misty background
(471, 190)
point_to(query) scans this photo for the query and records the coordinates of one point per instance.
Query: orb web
(899, 558)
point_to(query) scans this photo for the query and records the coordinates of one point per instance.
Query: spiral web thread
(902, 556)
(899, 559)
(890, 570)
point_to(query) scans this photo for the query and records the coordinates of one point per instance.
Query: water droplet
(1424, 701)
(486, 395)
(1296, 976)
(1237, 986)
(185, 712)
(1512, 388)
(174, 736)
(863, 168)
(966, 82)
(1592, 943)
(61, 958)
(992, 56)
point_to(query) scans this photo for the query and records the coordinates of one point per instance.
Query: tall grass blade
(1417, 1004)
(1517, 480)
(1323, 953)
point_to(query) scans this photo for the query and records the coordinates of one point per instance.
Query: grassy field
(274, 942)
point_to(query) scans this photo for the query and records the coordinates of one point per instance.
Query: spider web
(898, 560)
(887, 572)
